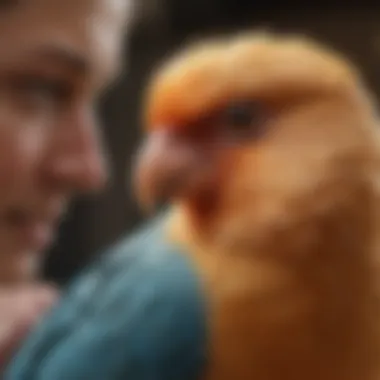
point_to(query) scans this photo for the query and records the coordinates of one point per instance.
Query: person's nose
(77, 161)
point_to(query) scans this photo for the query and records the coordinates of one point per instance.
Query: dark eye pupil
(240, 115)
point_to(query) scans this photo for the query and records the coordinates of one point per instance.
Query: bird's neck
(319, 276)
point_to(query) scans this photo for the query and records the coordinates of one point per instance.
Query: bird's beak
(165, 167)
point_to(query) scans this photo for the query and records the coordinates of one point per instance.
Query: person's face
(55, 58)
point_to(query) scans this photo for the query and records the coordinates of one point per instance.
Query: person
(56, 57)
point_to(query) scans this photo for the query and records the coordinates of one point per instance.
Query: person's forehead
(86, 36)
(74, 7)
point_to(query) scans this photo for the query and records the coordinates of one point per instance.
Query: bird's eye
(240, 115)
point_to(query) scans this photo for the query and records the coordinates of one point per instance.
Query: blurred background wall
(162, 26)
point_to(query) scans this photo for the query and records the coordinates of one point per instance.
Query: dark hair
(7, 3)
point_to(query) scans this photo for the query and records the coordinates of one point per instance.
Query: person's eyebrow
(71, 60)
(62, 56)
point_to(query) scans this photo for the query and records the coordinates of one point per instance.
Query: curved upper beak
(165, 168)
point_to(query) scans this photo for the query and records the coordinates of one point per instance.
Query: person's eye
(38, 93)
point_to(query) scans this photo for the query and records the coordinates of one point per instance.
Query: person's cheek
(21, 146)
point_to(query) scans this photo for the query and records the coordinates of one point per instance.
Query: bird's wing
(137, 314)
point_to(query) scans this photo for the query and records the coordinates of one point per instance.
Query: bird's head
(247, 132)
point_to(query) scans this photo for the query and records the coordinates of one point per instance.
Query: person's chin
(18, 266)
(33, 238)
(31, 257)
(22, 257)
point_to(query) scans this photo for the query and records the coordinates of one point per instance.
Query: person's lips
(34, 231)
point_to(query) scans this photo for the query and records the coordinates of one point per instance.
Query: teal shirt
(136, 314)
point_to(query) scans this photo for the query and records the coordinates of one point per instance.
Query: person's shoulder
(143, 255)
(139, 309)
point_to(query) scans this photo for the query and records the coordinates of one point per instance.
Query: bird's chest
(265, 325)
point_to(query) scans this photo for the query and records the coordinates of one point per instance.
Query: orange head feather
(243, 130)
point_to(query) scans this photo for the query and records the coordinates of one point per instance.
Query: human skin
(56, 57)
